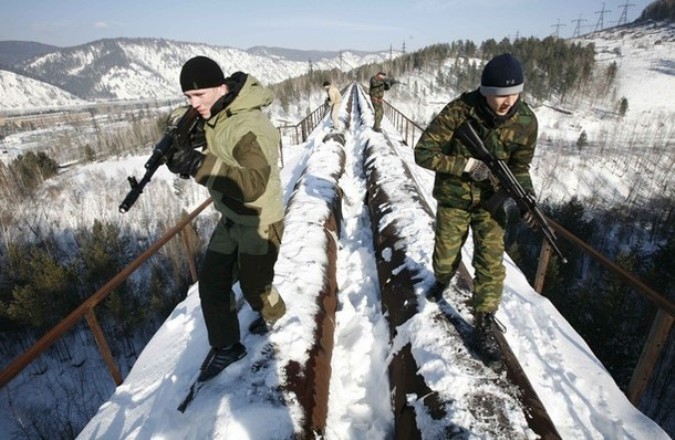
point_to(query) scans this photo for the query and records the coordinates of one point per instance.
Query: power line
(624, 14)
(577, 29)
(557, 28)
(600, 25)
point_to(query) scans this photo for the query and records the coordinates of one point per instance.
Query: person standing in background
(333, 100)
(378, 85)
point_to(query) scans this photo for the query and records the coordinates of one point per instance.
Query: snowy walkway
(250, 400)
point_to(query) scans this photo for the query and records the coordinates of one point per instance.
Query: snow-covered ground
(579, 394)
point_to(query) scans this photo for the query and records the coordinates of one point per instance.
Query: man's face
(203, 99)
(501, 104)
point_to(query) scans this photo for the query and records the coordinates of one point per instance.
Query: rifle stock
(508, 182)
(174, 136)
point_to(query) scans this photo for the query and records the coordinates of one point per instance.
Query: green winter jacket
(241, 165)
(512, 141)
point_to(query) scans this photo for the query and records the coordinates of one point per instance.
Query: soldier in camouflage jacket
(378, 84)
(508, 128)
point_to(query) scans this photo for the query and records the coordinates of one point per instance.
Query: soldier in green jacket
(239, 166)
(463, 184)
(378, 84)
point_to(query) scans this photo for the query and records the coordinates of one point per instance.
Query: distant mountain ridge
(143, 68)
(301, 55)
(15, 52)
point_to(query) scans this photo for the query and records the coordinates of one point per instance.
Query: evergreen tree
(582, 141)
(623, 106)
(42, 289)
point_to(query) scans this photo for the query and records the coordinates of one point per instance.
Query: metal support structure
(103, 346)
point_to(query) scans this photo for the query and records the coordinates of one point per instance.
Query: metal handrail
(86, 309)
(660, 328)
(406, 126)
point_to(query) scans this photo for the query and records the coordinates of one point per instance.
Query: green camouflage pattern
(377, 87)
(452, 231)
(376, 91)
(513, 142)
(460, 198)
(378, 110)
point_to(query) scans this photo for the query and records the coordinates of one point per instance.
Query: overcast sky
(308, 25)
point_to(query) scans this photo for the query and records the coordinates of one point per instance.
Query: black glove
(185, 162)
(477, 170)
(198, 136)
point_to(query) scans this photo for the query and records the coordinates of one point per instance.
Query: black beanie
(200, 73)
(502, 76)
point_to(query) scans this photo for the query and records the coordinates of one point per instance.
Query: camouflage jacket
(513, 141)
(377, 87)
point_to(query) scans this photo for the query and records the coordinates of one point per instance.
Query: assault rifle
(390, 82)
(508, 184)
(175, 136)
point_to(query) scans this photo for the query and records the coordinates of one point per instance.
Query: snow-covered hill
(132, 69)
(607, 170)
(20, 92)
(645, 58)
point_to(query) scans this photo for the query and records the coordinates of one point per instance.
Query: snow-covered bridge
(360, 352)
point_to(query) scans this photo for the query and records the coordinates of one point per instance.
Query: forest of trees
(553, 67)
(659, 10)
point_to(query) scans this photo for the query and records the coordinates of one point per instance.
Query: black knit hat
(200, 73)
(502, 76)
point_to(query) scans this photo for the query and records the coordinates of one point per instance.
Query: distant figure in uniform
(378, 84)
(239, 168)
(508, 128)
(333, 100)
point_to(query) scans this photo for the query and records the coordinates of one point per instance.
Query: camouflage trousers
(239, 253)
(452, 230)
(378, 108)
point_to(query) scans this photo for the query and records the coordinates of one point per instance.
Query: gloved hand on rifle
(185, 162)
(476, 169)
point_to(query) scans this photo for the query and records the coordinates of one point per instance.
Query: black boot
(485, 342)
(218, 359)
(435, 293)
(259, 326)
